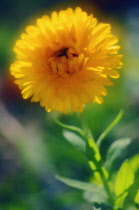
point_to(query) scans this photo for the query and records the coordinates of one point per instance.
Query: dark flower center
(64, 62)
(64, 52)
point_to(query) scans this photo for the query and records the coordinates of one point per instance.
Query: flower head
(65, 61)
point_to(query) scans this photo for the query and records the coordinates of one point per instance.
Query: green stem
(103, 178)
(108, 129)
(97, 163)
(83, 124)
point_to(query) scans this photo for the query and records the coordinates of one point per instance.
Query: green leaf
(108, 129)
(93, 193)
(94, 208)
(70, 127)
(137, 200)
(115, 151)
(80, 185)
(98, 196)
(124, 180)
(134, 161)
(75, 140)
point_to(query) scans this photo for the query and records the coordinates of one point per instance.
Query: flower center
(64, 62)
(63, 52)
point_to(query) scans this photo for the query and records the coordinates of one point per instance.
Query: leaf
(94, 208)
(134, 161)
(98, 196)
(75, 140)
(124, 180)
(137, 197)
(108, 129)
(137, 200)
(115, 151)
(80, 185)
(93, 193)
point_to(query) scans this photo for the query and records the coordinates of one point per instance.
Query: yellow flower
(65, 61)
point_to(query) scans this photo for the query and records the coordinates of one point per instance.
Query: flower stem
(96, 159)
(103, 178)
(104, 134)
(83, 124)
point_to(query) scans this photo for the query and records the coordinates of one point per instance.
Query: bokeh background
(32, 147)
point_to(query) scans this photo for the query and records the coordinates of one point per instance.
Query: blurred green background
(32, 147)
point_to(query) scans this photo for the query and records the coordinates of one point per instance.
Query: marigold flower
(65, 61)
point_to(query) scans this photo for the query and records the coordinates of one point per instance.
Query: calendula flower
(65, 61)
